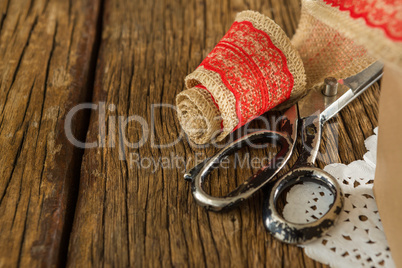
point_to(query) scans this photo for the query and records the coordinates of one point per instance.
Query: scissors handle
(297, 233)
(302, 171)
(285, 139)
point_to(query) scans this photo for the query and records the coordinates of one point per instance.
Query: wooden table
(61, 205)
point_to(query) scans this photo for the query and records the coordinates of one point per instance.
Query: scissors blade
(348, 89)
(365, 78)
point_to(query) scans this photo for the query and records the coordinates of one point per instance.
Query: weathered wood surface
(127, 215)
(132, 216)
(45, 58)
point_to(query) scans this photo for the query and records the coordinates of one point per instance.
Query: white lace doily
(358, 238)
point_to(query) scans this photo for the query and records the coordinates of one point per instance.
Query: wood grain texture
(130, 212)
(128, 215)
(45, 55)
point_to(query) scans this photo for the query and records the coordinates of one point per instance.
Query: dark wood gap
(78, 152)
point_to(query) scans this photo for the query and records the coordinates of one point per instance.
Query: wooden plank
(130, 214)
(45, 60)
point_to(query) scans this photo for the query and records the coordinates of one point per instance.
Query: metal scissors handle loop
(303, 170)
(285, 139)
(297, 233)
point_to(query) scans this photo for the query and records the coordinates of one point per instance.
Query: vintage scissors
(310, 113)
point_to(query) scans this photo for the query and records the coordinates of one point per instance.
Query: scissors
(307, 118)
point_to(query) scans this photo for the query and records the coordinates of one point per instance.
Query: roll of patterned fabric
(253, 69)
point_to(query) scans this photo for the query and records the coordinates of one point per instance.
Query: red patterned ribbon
(384, 14)
(252, 68)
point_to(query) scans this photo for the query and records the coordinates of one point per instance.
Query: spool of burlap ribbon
(251, 70)
(255, 67)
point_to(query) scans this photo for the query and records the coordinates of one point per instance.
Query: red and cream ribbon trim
(251, 70)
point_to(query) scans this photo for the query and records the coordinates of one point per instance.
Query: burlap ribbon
(255, 67)
(250, 71)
